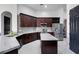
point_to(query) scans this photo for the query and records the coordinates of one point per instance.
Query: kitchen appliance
(44, 27)
(58, 30)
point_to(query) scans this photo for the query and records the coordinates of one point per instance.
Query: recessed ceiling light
(43, 5)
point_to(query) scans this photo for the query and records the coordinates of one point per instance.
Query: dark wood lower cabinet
(38, 35)
(13, 52)
(52, 33)
(27, 38)
(49, 47)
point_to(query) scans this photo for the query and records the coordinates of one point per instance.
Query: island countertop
(48, 37)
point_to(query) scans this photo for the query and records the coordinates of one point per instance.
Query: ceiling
(50, 7)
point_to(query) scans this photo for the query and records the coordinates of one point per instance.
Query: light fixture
(43, 5)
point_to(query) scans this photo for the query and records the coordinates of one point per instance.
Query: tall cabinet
(74, 29)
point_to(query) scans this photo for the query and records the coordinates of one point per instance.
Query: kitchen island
(48, 44)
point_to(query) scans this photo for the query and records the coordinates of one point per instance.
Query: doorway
(6, 23)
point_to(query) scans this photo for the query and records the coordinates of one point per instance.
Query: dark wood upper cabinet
(55, 20)
(48, 20)
(27, 21)
(31, 21)
(44, 20)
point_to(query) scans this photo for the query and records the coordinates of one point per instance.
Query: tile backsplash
(37, 29)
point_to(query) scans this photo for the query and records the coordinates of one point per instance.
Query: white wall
(47, 13)
(12, 8)
(57, 13)
(62, 14)
(25, 10)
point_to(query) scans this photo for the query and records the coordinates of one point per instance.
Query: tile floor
(63, 47)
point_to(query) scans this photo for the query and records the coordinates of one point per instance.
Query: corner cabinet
(74, 29)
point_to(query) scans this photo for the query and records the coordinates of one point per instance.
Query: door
(6, 25)
(74, 29)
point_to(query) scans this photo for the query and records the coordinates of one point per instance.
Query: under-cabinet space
(13, 52)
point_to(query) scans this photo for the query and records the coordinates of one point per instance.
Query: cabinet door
(44, 20)
(33, 22)
(55, 20)
(38, 35)
(27, 21)
(27, 38)
(48, 21)
(22, 21)
(49, 47)
(39, 21)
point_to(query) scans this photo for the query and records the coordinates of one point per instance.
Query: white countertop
(8, 44)
(48, 37)
(27, 30)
